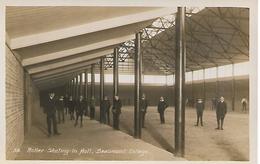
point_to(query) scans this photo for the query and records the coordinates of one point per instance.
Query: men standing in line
(143, 107)
(60, 107)
(71, 105)
(162, 105)
(244, 104)
(92, 108)
(80, 108)
(105, 105)
(116, 109)
(50, 110)
(200, 108)
(221, 112)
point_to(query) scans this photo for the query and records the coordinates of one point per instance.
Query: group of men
(221, 110)
(70, 106)
(56, 107)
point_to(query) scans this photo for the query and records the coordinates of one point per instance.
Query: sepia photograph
(129, 83)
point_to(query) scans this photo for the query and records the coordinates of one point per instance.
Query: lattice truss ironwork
(125, 52)
(214, 37)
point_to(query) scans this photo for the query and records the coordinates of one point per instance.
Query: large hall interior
(183, 54)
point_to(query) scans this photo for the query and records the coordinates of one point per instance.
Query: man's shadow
(159, 138)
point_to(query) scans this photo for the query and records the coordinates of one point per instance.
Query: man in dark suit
(143, 108)
(116, 109)
(221, 112)
(50, 110)
(80, 109)
(71, 106)
(66, 100)
(200, 108)
(105, 106)
(162, 105)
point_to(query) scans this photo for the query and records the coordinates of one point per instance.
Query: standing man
(105, 106)
(244, 104)
(50, 110)
(80, 108)
(161, 108)
(143, 106)
(92, 108)
(66, 100)
(60, 107)
(71, 106)
(221, 112)
(199, 108)
(116, 109)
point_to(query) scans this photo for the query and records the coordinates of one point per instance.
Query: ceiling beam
(29, 40)
(77, 50)
(62, 74)
(61, 63)
(63, 78)
(64, 69)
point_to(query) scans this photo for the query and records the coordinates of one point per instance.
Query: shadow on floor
(159, 138)
(126, 128)
(234, 153)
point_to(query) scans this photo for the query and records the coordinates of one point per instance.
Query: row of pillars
(233, 87)
(74, 87)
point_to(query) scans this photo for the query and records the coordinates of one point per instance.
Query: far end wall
(195, 90)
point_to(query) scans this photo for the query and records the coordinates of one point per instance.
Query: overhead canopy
(214, 37)
(56, 43)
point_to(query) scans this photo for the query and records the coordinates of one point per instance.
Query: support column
(80, 84)
(92, 91)
(138, 76)
(86, 86)
(217, 83)
(86, 95)
(115, 73)
(77, 87)
(180, 64)
(192, 96)
(233, 88)
(74, 88)
(204, 86)
(71, 88)
(102, 82)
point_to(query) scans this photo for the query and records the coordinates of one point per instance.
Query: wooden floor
(93, 141)
(201, 143)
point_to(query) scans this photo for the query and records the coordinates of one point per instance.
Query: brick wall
(14, 104)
